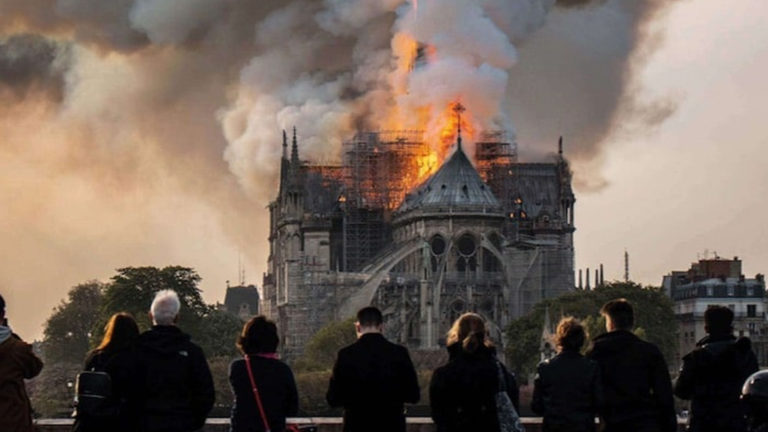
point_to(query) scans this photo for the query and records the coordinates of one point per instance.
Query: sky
(138, 135)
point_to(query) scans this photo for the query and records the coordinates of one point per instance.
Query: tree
(218, 333)
(320, 351)
(654, 320)
(52, 392)
(68, 330)
(133, 288)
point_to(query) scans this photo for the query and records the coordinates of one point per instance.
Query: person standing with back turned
(567, 390)
(636, 384)
(462, 393)
(17, 363)
(372, 379)
(712, 375)
(177, 387)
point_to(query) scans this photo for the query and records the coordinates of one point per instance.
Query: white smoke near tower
(398, 65)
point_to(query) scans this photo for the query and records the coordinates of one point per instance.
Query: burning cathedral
(493, 237)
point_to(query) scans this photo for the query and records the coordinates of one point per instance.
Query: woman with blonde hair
(567, 390)
(463, 391)
(116, 356)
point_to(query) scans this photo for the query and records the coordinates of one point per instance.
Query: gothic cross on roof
(458, 108)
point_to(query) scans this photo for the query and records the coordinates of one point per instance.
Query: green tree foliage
(218, 333)
(224, 398)
(133, 288)
(320, 352)
(654, 321)
(53, 391)
(312, 387)
(67, 331)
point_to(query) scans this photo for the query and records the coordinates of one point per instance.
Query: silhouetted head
(121, 330)
(369, 320)
(718, 320)
(618, 314)
(165, 308)
(469, 330)
(2, 308)
(570, 335)
(259, 335)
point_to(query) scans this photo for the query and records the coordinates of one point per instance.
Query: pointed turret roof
(456, 187)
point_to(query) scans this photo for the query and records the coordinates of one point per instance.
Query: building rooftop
(456, 186)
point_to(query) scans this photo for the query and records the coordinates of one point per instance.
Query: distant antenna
(626, 266)
(240, 270)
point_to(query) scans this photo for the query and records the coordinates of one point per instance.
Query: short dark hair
(369, 316)
(570, 334)
(259, 335)
(718, 320)
(2, 305)
(621, 313)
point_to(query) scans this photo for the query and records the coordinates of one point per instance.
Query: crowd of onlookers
(159, 381)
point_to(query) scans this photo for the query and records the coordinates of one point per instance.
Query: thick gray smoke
(30, 62)
(148, 131)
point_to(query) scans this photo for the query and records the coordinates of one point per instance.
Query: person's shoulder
(283, 367)
(18, 344)
(648, 347)
(194, 349)
(237, 367)
(349, 349)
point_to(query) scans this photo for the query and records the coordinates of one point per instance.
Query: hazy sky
(133, 143)
(698, 183)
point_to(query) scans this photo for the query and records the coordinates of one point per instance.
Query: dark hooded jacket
(372, 379)
(636, 385)
(17, 363)
(711, 377)
(121, 412)
(567, 392)
(177, 387)
(463, 392)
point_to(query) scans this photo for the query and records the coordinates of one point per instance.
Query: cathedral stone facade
(493, 238)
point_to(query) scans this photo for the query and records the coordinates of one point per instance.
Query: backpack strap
(256, 393)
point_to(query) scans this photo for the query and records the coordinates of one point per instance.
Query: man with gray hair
(177, 385)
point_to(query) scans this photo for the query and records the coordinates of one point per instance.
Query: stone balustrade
(325, 424)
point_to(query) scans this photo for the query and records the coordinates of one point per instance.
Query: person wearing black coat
(636, 384)
(372, 379)
(713, 374)
(567, 390)
(177, 387)
(273, 378)
(116, 355)
(462, 392)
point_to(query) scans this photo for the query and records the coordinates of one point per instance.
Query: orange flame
(449, 130)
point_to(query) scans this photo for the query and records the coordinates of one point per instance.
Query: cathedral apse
(423, 239)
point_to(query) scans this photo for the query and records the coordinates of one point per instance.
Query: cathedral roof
(455, 187)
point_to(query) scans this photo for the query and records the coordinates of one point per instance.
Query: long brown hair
(469, 329)
(120, 331)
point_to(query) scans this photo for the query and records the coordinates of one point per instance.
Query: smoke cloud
(148, 131)
(30, 62)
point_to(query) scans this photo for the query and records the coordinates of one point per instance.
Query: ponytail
(473, 341)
